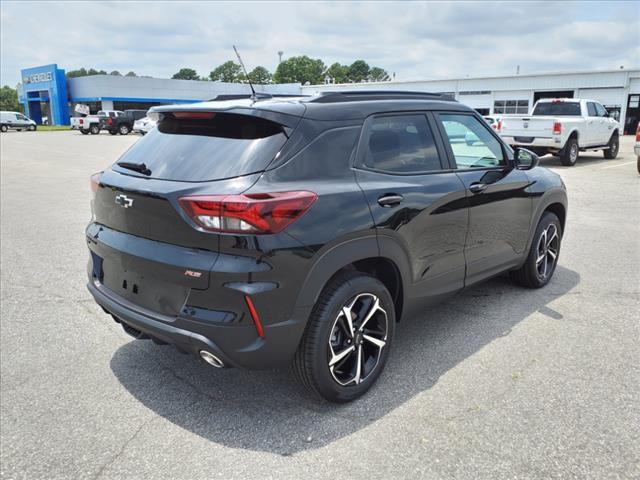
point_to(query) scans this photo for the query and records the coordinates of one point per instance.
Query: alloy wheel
(547, 251)
(358, 335)
(573, 153)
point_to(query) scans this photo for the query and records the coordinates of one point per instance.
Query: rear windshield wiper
(136, 167)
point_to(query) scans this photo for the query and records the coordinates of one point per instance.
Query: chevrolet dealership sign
(38, 77)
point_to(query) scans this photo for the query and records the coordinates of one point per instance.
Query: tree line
(83, 72)
(301, 69)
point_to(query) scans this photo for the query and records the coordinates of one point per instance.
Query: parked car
(144, 125)
(636, 148)
(564, 127)
(93, 123)
(122, 124)
(495, 122)
(16, 121)
(258, 233)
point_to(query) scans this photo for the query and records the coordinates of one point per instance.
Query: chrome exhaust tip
(211, 359)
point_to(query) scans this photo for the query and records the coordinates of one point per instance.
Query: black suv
(123, 124)
(258, 233)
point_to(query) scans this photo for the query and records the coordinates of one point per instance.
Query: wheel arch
(361, 255)
(555, 201)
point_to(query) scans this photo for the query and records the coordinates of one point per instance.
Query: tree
(260, 76)
(186, 74)
(116, 73)
(93, 71)
(82, 72)
(300, 69)
(358, 71)
(9, 99)
(131, 74)
(229, 72)
(338, 73)
(377, 74)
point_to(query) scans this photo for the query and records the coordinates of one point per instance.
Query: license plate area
(524, 139)
(143, 289)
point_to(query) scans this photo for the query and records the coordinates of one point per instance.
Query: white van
(17, 121)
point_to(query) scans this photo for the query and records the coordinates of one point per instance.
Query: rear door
(594, 126)
(415, 198)
(499, 205)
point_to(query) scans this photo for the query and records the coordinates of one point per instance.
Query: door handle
(478, 187)
(390, 200)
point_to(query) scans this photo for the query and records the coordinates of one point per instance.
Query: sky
(414, 40)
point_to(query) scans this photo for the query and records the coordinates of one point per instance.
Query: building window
(511, 106)
(475, 92)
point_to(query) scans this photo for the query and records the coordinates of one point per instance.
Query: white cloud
(415, 40)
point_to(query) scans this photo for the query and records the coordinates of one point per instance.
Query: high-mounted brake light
(557, 128)
(557, 100)
(194, 115)
(252, 213)
(95, 181)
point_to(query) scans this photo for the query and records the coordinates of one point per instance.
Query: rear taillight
(638, 133)
(95, 181)
(557, 128)
(499, 126)
(255, 213)
(81, 121)
(109, 121)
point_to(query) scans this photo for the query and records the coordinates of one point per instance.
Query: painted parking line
(619, 165)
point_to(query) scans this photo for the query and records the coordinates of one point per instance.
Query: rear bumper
(554, 143)
(237, 346)
(636, 149)
(206, 313)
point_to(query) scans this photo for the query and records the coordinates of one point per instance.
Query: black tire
(84, 131)
(4, 128)
(113, 132)
(570, 153)
(124, 130)
(638, 164)
(614, 147)
(530, 274)
(328, 328)
(94, 129)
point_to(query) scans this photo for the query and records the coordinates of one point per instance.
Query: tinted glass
(401, 144)
(472, 144)
(557, 109)
(591, 109)
(224, 146)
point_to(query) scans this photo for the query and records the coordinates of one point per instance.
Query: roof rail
(354, 96)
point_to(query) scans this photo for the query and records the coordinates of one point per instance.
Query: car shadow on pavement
(267, 411)
(585, 159)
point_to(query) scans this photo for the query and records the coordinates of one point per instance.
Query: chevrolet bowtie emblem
(124, 201)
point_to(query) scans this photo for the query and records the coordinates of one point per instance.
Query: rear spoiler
(285, 113)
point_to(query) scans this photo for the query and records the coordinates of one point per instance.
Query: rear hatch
(148, 249)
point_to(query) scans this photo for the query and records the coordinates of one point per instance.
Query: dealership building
(45, 89)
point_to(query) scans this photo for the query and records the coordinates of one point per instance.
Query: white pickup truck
(563, 127)
(91, 123)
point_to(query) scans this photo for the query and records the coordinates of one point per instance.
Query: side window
(600, 110)
(400, 144)
(472, 144)
(591, 109)
(21, 117)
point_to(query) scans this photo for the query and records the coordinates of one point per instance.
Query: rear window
(212, 146)
(557, 109)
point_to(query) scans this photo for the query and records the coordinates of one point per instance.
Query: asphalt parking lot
(499, 382)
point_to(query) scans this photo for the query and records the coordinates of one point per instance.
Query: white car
(636, 147)
(16, 121)
(144, 125)
(564, 127)
(494, 121)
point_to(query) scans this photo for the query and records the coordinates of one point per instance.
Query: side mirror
(525, 159)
